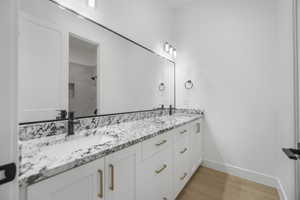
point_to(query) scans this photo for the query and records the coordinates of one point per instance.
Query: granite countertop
(43, 158)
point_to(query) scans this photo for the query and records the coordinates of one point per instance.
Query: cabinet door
(182, 155)
(196, 145)
(82, 183)
(120, 173)
(154, 177)
(41, 69)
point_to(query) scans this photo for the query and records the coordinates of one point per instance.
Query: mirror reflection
(71, 64)
(82, 77)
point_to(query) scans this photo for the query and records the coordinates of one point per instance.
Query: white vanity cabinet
(82, 183)
(120, 171)
(155, 169)
(109, 178)
(196, 145)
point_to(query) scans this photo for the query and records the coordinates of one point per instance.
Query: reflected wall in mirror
(71, 64)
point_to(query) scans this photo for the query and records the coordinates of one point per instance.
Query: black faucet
(71, 123)
(162, 108)
(170, 110)
(62, 114)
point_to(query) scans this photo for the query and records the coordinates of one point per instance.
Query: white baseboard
(249, 175)
(281, 191)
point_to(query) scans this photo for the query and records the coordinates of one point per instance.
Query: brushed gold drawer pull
(161, 143)
(165, 198)
(183, 132)
(100, 195)
(111, 187)
(198, 128)
(183, 151)
(160, 170)
(185, 174)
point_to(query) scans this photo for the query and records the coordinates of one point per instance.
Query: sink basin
(158, 121)
(70, 147)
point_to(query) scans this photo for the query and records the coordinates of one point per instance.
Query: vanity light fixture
(170, 49)
(92, 3)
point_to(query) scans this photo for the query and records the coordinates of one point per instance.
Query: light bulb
(174, 53)
(92, 3)
(171, 50)
(167, 47)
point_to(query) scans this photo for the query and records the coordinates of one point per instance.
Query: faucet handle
(71, 115)
(170, 110)
(62, 114)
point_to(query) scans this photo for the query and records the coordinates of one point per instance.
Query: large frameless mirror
(70, 63)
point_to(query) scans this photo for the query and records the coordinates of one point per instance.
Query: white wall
(286, 168)
(145, 21)
(230, 50)
(8, 89)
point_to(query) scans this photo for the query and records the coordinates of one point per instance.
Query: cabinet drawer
(181, 144)
(156, 144)
(182, 132)
(154, 177)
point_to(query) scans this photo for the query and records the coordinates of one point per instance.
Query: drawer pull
(165, 198)
(161, 143)
(183, 151)
(111, 187)
(183, 132)
(100, 195)
(198, 128)
(185, 174)
(160, 170)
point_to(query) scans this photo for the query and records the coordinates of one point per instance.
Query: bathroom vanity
(94, 122)
(144, 159)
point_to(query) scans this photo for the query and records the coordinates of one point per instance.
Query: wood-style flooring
(208, 184)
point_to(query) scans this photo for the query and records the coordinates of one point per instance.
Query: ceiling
(179, 3)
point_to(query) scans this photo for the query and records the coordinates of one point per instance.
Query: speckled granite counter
(44, 157)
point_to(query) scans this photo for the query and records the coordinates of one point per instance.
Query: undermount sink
(158, 121)
(68, 147)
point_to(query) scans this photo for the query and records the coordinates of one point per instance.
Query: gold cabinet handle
(100, 194)
(183, 177)
(161, 143)
(160, 170)
(183, 132)
(165, 198)
(111, 187)
(198, 128)
(183, 151)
